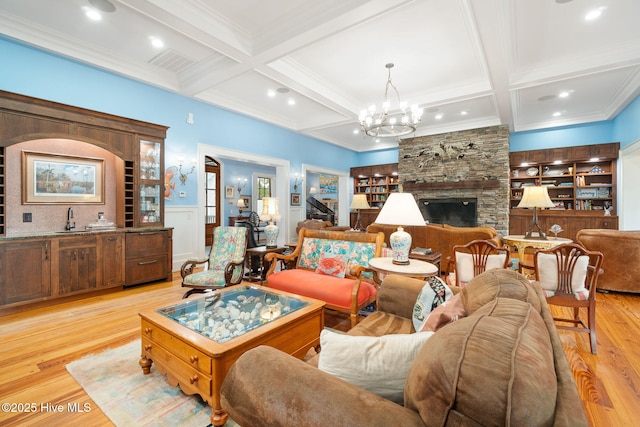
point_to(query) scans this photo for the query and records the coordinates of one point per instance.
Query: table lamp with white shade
(400, 209)
(535, 197)
(270, 213)
(359, 202)
(241, 205)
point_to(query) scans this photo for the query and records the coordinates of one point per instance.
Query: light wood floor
(38, 342)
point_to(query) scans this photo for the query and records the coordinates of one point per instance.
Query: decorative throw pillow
(548, 270)
(447, 312)
(376, 364)
(332, 265)
(433, 293)
(464, 264)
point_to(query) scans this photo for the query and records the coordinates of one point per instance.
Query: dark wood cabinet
(147, 257)
(112, 260)
(25, 271)
(139, 145)
(77, 264)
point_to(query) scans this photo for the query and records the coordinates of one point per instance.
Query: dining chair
(568, 274)
(474, 258)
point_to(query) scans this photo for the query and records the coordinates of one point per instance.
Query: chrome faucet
(69, 226)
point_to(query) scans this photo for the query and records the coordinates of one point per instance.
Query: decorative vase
(271, 231)
(400, 244)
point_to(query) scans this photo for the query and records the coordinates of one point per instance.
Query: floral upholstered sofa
(331, 266)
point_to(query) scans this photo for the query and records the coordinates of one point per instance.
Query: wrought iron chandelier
(388, 122)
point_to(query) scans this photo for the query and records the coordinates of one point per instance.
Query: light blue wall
(626, 126)
(35, 73)
(566, 136)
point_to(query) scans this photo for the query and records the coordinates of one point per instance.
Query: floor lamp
(535, 197)
(359, 202)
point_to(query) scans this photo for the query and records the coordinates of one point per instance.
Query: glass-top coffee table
(195, 341)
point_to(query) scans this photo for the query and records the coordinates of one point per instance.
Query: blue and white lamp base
(271, 232)
(400, 244)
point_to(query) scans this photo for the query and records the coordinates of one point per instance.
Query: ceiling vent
(171, 60)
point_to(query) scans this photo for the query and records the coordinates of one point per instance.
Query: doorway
(211, 198)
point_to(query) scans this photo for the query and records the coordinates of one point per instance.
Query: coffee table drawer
(184, 351)
(191, 380)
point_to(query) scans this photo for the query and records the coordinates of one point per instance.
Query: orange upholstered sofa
(331, 266)
(440, 237)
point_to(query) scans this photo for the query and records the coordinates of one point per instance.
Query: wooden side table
(415, 268)
(260, 252)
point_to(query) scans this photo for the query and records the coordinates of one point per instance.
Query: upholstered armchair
(225, 262)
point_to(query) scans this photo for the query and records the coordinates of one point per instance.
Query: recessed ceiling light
(547, 98)
(92, 13)
(463, 113)
(156, 42)
(594, 14)
(563, 94)
(356, 131)
(557, 114)
(282, 90)
(291, 101)
(439, 116)
(271, 93)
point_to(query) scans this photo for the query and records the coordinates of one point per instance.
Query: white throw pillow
(427, 300)
(464, 264)
(376, 364)
(548, 270)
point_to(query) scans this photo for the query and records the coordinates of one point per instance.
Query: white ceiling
(501, 61)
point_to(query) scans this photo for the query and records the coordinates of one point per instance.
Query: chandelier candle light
(400, 209)
(359, 202)
(388, 122)
(270, 213)
(535, 197)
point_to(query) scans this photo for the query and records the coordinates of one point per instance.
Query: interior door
(212, 198)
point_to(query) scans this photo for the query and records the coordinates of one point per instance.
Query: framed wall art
(229, 192)
(61, 179)
(295, 199)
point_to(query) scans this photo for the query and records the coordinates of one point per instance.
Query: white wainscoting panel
(296, 213)
(184, 220)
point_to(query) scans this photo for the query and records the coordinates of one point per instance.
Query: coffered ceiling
(472, 63)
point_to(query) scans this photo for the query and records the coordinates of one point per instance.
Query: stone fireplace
(471, 164)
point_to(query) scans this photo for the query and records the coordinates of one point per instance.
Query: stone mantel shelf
(449, 185)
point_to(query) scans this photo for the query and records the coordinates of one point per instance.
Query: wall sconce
(241, 184)
(183, 176)
(298, 181)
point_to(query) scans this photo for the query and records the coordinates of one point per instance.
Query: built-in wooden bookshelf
(581, 182)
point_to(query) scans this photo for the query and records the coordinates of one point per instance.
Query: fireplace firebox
(460, 212)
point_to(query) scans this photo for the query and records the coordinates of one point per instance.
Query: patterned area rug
(116, 384)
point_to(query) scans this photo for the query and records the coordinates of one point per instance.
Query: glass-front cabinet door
(150, 184)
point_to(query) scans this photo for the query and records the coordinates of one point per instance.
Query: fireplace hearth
(460, 212)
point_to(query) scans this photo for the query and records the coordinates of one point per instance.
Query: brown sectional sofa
(440, 237)
(621, 263)
(502, 364)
